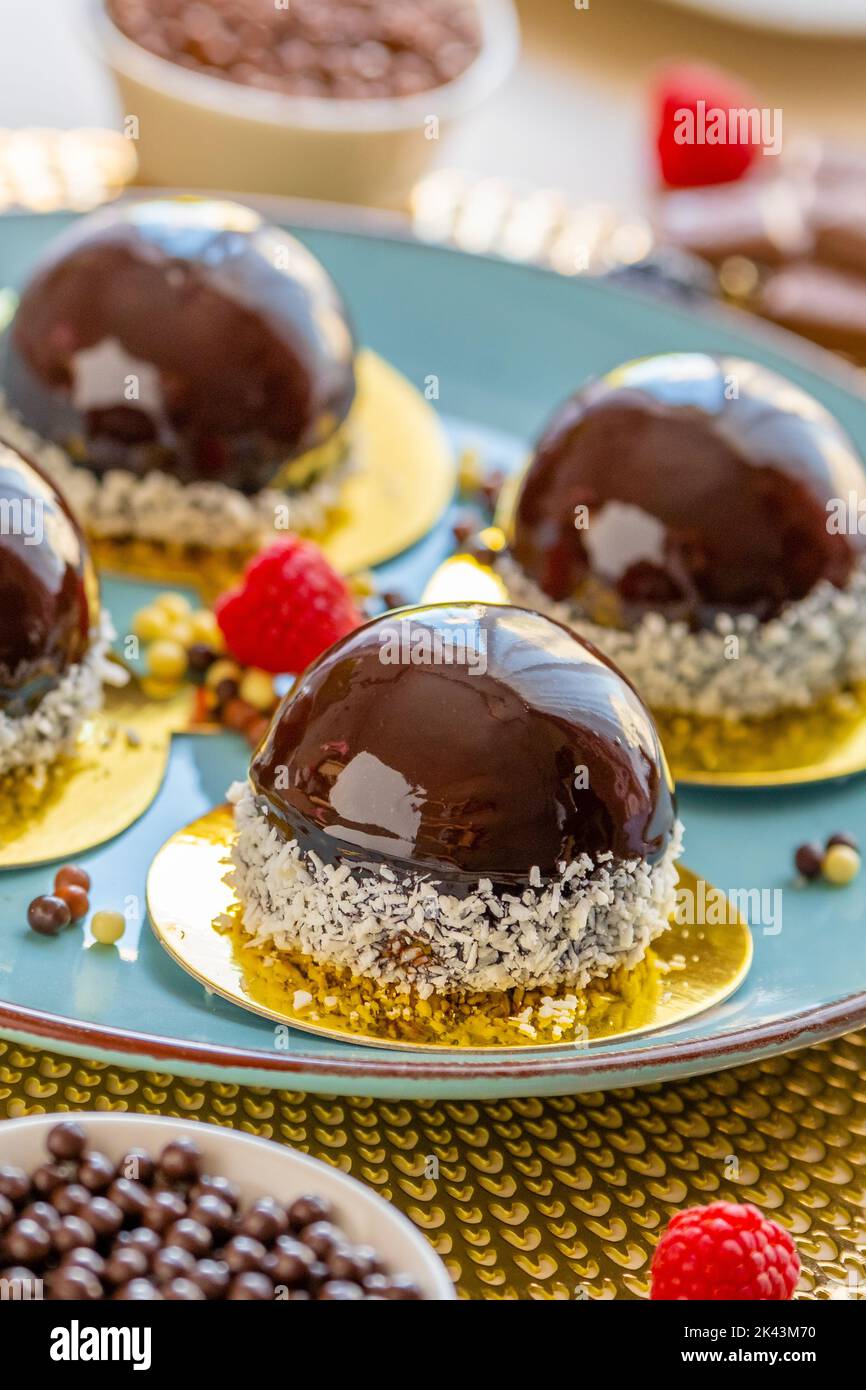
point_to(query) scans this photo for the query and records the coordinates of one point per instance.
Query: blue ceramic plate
(506, 343)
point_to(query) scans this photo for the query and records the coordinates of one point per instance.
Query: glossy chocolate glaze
(699, 502)
(47, 585)
(465, 773)
(234, 333)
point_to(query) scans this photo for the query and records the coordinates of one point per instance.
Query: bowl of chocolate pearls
(343, 100)
(135, 1207)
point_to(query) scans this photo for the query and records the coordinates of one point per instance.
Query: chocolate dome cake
(461, 797)
(52, 641)
(192, 368)
(697, 518)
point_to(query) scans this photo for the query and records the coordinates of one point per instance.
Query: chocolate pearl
(180, 1160)
(104, 1216)
(214, 1213)
(225, 691)
(200, 657)
(190, 1235)
(317, 1275)
(75, 1283)
(66, 1140)
(212, 1277)
(305, 1210)
(139, 1291)
(808, 860)
(375, 1284)
(344, 1264)
(20, 1274)
(251, 1285)
(83, 1256)
(7, 1213)
(341, 1290)
(321, 1237)
(49, 1176)
(47, 1216)
(71, 1233)
(217, 1187)
(125, 1264)
(14, 1183)
(136, 1166)
(131, 1197)
(183, 1290)
(300, 1296)
(264, 1221)
(367, 1260)
(289, 1262)
(163, 1209)
(841, 837)
(243, 1253)
(173, 1262)
(401, 1287)
(48, 915)
(97, 1172)
(72, 876)
(70, 1199)
(27, 1242)
(145, 1240)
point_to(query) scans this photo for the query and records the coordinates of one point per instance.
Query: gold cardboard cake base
(690, 968)
(791, 748)
(404, 480)
(94, 795)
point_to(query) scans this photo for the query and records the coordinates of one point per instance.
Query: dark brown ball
(124, 1264)
(264, 1221)
(305, 1210)
(132, 1198)
(75, 1283)
(72, 1232)
(183, 1290)
(242, 1253)
(66, 1140)
(48, 915)
(27, 1242)
(251, 1286)
(190, 1235)
(181, 1160)
(70, 1199)
(14, 1183)
(163, 1210)
(97, 1172)
(212, 1277)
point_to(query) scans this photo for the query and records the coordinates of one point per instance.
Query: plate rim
(817, 1024)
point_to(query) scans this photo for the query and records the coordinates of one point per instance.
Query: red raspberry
(288, 608)
(679, 89)
(726, 1252)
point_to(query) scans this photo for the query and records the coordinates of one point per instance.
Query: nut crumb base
(795, 746)
(199, 922)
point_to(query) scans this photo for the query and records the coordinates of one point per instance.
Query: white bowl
(260, 1168)
(199, 131)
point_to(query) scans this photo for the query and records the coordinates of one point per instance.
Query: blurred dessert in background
(185, 371)
(784, 227)
(698, 518)
(53, 640)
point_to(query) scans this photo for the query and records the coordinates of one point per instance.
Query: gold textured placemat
(551, 1199)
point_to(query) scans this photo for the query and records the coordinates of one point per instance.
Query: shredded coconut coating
(815, 647)
(34, 740)
(158, 508)
(404, 932)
